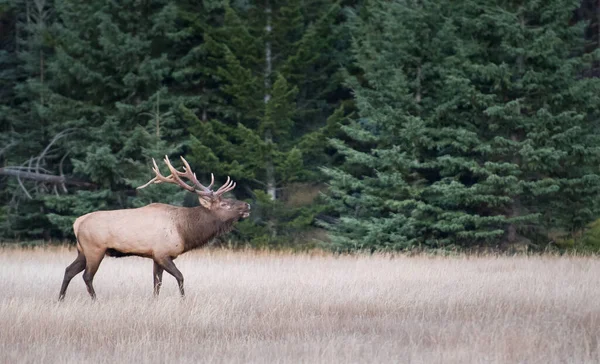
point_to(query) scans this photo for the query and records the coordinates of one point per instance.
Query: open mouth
(245, 214)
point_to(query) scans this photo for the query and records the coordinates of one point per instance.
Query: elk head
(225, 209)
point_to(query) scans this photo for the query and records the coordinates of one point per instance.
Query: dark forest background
(355, 125)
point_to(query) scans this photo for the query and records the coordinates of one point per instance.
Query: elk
(157, 231)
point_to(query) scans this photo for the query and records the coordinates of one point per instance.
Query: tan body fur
(148, 231)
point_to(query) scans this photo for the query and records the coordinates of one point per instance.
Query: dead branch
(23, 188)
(60, 168)
(40, 157)
(7, 147)
(33, 169)
(43, 177)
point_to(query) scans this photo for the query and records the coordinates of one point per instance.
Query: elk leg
(169, 266)
(158, 273)
(72, 270)
(90, 270)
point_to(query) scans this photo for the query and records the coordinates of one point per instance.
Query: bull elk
(157, 231)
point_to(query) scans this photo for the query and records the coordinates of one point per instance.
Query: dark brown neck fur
(197, 226)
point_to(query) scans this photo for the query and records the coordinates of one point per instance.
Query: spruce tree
(376, 192)
(26, 129)
(472, 128)
(276, 67)
(110, 77)
(544, 115)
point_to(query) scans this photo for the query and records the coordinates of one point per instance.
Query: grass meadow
(256, 307)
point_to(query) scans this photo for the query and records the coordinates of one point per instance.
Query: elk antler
(204, 191)
(160, 178)
(192, 176)
(175, 175)
(228, 186)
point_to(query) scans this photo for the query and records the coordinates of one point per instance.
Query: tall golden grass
(245, 307)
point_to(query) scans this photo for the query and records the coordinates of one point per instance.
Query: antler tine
(212, 180)
(159, 177)
(225, 185)
(204, 191)
(192, 177)
(153, 180)
(228, 186)
(231, 187)
(175, 176)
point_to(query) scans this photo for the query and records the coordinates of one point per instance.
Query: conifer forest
(347, 125)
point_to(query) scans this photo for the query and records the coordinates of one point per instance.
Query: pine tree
(543, 115)
(109, 85)
(26, 130)
(472, 127)
(376, 192)
(271, 56)
(195, 56)
(97, 88)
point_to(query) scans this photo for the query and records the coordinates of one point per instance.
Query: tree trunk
(157, 116)
(269, 167)
(204, 116)
(418, 90)
(514, 210)
(41, 77)
(598, 23)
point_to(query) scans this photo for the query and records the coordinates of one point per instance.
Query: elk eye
(224, 204)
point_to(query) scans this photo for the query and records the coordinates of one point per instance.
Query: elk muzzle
(245, 211)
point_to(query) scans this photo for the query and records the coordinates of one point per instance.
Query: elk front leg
(158, 273)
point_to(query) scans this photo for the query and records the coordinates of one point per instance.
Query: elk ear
(204, 202)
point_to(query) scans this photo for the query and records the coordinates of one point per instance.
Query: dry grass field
(244, 307)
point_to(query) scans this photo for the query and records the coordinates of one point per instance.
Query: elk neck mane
(198, 225)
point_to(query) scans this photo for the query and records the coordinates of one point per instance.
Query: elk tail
(76, 231)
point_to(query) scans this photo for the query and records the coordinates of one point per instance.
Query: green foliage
(468, 123)
(255, 131)
(588, 242)
(591, 238)
(290, 227)
(94, 90)
(24, 128)
(468, 131)
(97, 106)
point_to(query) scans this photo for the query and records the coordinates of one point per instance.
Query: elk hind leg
(169, 266)
(72, 270)
(90, 270)
(158, 273)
